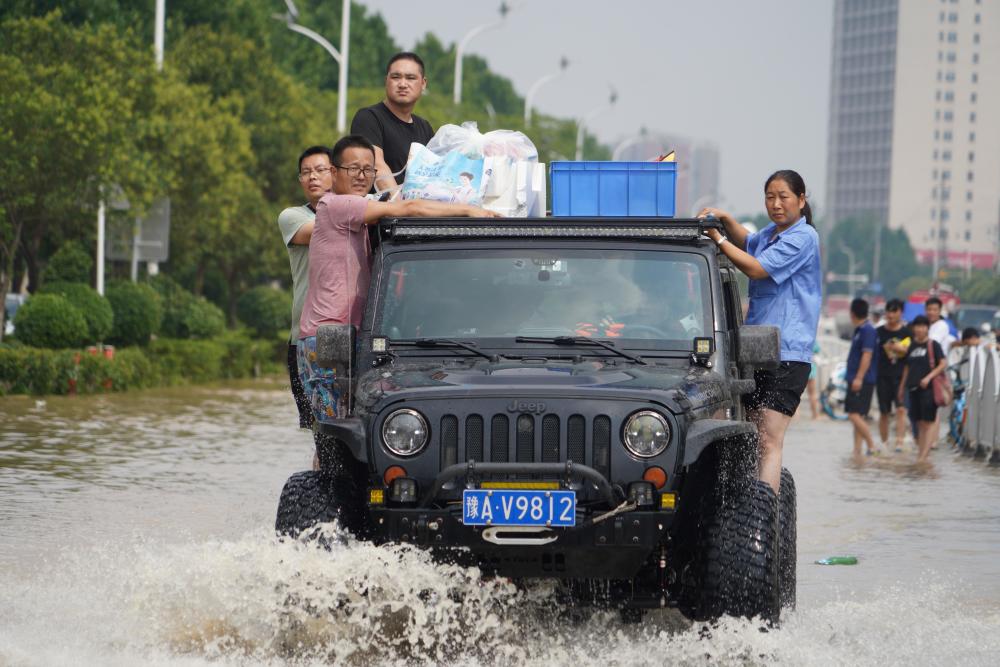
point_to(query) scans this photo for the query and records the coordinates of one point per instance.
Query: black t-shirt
(889, 366)
(919, 363)
(381, 127)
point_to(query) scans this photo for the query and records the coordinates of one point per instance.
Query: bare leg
(813, 398)
(771, 426)
(900, 427)
(927, 431)
(883, 426)
(861, 432)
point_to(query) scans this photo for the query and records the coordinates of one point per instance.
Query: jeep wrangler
(557, 398)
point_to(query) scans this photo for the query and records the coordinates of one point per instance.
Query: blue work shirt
(790, 296)
(865, 339)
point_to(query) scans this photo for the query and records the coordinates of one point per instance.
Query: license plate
(518, 507)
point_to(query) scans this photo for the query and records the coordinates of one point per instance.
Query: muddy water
(135, 529)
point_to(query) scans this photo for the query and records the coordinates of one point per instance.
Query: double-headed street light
(464, 42)
(581, 126)
(563, 64)
(292, 15)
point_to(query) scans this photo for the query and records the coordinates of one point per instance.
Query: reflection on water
(135, 529)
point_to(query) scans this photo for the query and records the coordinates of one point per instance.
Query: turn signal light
(391, 473)
(376, 496)
(668, 501)
(655, 476)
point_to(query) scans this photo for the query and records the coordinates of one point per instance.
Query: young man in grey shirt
(296, 225)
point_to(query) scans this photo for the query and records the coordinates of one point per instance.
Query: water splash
(258, 600)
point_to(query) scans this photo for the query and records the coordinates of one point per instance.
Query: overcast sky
(751, 76)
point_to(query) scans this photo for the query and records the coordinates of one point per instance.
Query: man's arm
(422, 208)
(383, 174)
(859, 377)
(304, 235)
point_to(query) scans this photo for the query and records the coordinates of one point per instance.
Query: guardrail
(981, 377)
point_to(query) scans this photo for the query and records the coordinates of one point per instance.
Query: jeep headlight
(404, 432)
(647, 434)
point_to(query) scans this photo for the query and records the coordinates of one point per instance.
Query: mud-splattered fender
(706, 431)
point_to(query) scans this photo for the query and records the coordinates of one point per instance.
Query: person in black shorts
(861, 374)
(782, 262)
(893, 341)
(916, 380)
(391, 125)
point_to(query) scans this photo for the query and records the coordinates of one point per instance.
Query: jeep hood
(681, 388)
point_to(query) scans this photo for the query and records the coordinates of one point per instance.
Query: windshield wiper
(446, 342)
(580, 340)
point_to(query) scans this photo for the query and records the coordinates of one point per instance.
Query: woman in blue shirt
(782, 262)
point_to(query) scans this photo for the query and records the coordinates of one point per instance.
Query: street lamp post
(581, 126)
(464, 42)
(563, 64)
(340, 57)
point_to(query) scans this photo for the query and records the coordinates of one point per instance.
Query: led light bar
(679, 231)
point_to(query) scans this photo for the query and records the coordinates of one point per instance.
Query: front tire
(310, 498)
(739, 556)
(787, 538)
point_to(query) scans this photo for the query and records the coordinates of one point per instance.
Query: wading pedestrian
(918, 371)
(893, 340)
(861, 376)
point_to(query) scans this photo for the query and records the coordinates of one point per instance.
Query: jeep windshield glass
(638, 299)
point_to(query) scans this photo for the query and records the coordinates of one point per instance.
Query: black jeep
(557, 398)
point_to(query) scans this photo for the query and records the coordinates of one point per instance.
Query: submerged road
(136, 529)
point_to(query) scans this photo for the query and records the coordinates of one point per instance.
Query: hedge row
(29, 370)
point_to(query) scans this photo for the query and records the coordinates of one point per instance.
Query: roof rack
(671, 229)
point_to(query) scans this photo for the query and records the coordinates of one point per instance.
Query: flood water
(136, 529)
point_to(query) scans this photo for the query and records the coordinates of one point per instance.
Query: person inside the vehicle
(783, 264)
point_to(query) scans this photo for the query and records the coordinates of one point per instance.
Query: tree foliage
(50, 320)
(854, 239)
(86, 116)
(71, 264)
(96, 309)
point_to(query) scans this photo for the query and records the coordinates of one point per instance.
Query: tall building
(914, 135)
(697, 167)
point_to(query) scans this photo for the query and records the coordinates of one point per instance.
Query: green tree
(897, 261)
(71, 263)
(66, 130)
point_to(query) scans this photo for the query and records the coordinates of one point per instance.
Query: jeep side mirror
(335, 348)
(759, 346)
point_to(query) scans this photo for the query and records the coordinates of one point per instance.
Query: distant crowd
(904, 365)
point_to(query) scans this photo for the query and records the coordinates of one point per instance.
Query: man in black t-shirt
(891, 350)
(391, 125)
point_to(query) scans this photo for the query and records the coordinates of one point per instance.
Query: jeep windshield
(638, 299)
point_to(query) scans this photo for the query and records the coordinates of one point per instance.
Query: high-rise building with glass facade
(914, 134)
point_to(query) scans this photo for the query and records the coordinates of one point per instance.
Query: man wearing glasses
(339, 258)
(391, 125)
(296, 225)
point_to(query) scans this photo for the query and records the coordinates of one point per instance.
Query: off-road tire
(310, 498)
(787, 533)
(740, 556)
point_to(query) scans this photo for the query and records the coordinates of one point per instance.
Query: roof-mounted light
(675, 231)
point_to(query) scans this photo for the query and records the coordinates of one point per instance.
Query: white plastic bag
(458, 162)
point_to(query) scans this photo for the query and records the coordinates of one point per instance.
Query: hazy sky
(751, 76)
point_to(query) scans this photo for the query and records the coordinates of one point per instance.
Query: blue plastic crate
(614, 189)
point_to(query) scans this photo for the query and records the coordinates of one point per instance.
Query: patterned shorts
(322, 394)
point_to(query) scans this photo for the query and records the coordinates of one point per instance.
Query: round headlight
(647, 434)
(404, 432)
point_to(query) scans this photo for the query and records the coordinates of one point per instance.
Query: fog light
(640, 493)
(403, 490)
(376, 496)
(656, 476)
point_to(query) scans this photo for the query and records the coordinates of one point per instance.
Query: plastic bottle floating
(838, 560)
